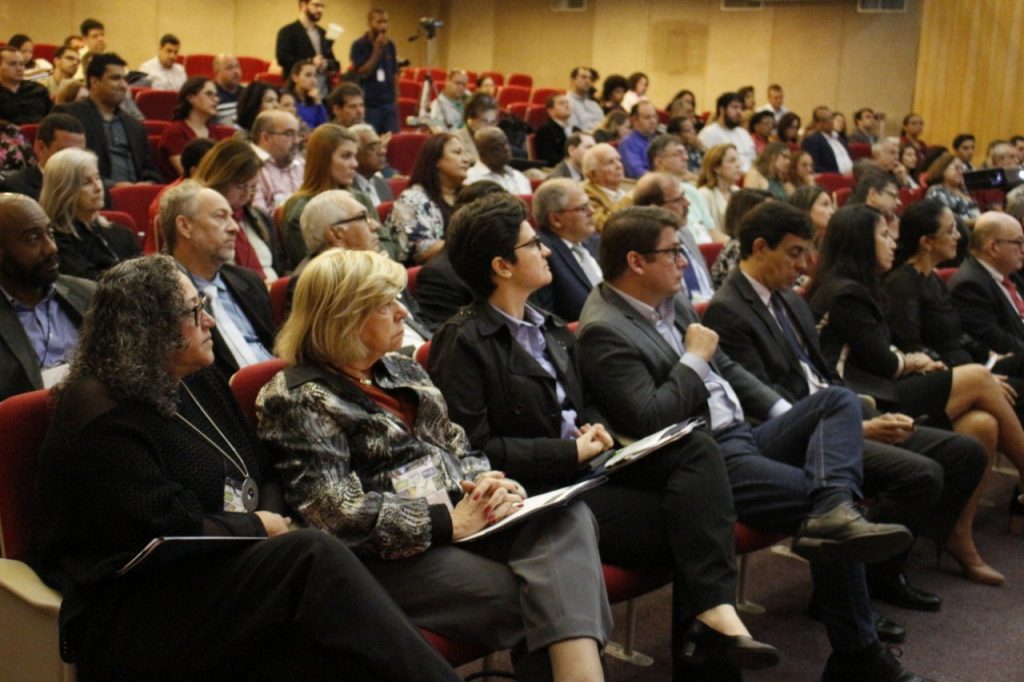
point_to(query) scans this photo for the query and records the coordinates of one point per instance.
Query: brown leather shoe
(843, 534)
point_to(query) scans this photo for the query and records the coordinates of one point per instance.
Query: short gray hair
(318, 214)
(551, 197)
(590, 161)
(876, 148)
(176, 201)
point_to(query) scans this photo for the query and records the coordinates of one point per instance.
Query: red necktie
(1018, 302)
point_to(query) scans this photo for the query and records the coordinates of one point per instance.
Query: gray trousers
(524, 588)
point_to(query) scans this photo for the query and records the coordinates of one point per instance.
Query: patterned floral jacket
(336, 448)
(415, 222)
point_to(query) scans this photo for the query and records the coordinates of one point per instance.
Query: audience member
(372, 158)
(886, 153)
(771, 171)
(905, 171)
(727, 260)
(760, 126)
(649, 363)
(501, 353)
(571, 166)
(197, 106)
(56, 132)
(200, 231)
(419, 217)
(36, 68)
(727, 128)
(839, 126)
(636, 90)
(910, 133)
(21, 100)
(495, 153)
(613, 90)
(666, 191)
(232, 168)
(586, 113)
(302, 84)
(643, 121)
(613, 128)
(550, 139)
(330, 164)
(686, 129)
(374, 58)
(717, 181)
(93, 42)
(138, 440)
(303, 40)
(41, 309)
(602, 168)
(682, 105)
(72, 196)
(963, 147)
(163, 70)
(191, 157)
(801, 171)
(481, 112)
(826, 147)
(865, 126)
(775, 105)
(256, 98)
(485, 85)
(376, 406)
(668, 154)
(447, 110)
(816, 202)
(918, 476)
(788, 129)
(227, 76)
(565, 220)
(346, 104)
(274, 139)
(945, 178)
(118, 140)
(65, 66)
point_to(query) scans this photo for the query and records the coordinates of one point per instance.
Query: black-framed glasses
(196, 311)
(676, 252)
(1018, 242)
(536, 242)
(290, 134)
(364, 216)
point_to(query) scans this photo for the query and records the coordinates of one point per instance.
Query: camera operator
(376, 64)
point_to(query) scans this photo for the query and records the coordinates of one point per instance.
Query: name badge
(421, 478)
(53, 375)
(380, 74)
(234, 500)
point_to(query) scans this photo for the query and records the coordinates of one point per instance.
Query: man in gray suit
(576, 145)
(648, 363)
(40, 310)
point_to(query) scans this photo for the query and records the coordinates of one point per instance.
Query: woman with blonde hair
(367, 452)
(717, 181)
(330, 164)
(72, 197)
(770, 171)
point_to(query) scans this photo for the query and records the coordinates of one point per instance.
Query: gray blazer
(634, 376)
(19, 366)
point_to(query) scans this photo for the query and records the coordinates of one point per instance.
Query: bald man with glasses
(275, 136)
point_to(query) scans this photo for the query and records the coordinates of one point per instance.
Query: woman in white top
(637, 91)
(716, 183)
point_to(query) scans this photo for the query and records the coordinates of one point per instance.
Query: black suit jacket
(96, 140)
(440, 292)
(253, 298)
(818, 147)
(569, 286)
(27, 181)
(19, 366)
(748, 334)
(985, 312)
(635, 377)
(294, 45)
(549, 144)
(504, 399)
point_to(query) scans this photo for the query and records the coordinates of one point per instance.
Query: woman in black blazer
(846, 299)
(510, 379)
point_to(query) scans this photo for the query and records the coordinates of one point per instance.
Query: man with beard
(40, 310)
(728, 129)
(304, 39)
(376, 63)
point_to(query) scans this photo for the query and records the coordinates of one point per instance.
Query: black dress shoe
(874, 663)
(901, 593)
(702, 642)
(843, 534)
(887, 630)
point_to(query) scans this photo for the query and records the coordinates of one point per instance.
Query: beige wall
(822, 53)
(246, 27)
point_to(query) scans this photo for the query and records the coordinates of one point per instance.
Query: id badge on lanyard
(421, 478)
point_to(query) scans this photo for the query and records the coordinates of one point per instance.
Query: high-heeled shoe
(702, 642)
(974, 568)
(1016, 513)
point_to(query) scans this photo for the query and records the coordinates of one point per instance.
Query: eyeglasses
(1018, 242)
(196, 311)
(535, 242)
(290, 134)
(247, 187)
(676, 200)
(364, 216)
(583, 208)
(676, 252)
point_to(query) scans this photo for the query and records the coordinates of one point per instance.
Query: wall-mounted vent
(568, 5)
(742, 5)
(881, 6)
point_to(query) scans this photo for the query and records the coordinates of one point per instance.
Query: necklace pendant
(250, 494)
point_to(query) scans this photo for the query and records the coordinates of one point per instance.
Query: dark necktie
(791, 334)
(690, 276)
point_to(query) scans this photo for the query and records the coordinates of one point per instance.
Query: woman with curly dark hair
(147, 442)
(256, 98)
(197, 105)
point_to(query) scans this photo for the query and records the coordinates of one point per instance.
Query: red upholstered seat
(247, 382)
(409, 89)
(511, 94)
(536, 115)
(43, 51)
(539, 96)
(383, 210)
(135, 200)
(251, 68)
(155, 127)
(410, 278)
(520, 80)
(945, 273)
(842, 195)
(157, 105)
(23, 422)
(199, 65)
(403, 149)
(519, 109)
(423, 355)
(398, 184)
(833, 181)
(498, 78)
(29, 130)
(407, 107)
(279, 299)
(275, 79)
(710, 252)
(860, 150)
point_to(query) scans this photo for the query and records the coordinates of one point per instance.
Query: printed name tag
(421, 478)
(380, 74)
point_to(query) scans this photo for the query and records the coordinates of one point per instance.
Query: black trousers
(296, 607)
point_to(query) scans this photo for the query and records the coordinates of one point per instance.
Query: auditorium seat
(520, 80)
(275, 79)
(251, 67)
(135, 200)
(411, 273)
(710, 252)
(44, 51)
(398, 183)
(519, 109)
(403, 149)
(842, 195)
(383, 209)
(125, 220)
(536, 115)
(155, 127)
(539, 96)
(29, 130)
(157, 105)
(860, 150)
(945, 273)
(199, 65)
(833, 181)
(407, 107)
(511, 94)
(495, 76)
(279, 299)
(409, 89)
(221, 132)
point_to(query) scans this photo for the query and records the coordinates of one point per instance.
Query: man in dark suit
(40, 310)
(648, 362)
(21, 101)
(56, 132)
(372, 157)
(295, 42)
(987, 291)
(913, 473)
(549, 143)
(118, 140)
(566, 220)
(571, 166)
(826, 148)
(200, 231)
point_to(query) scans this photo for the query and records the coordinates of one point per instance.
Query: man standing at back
(376, 63)
(118, 140)
(305, 39)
